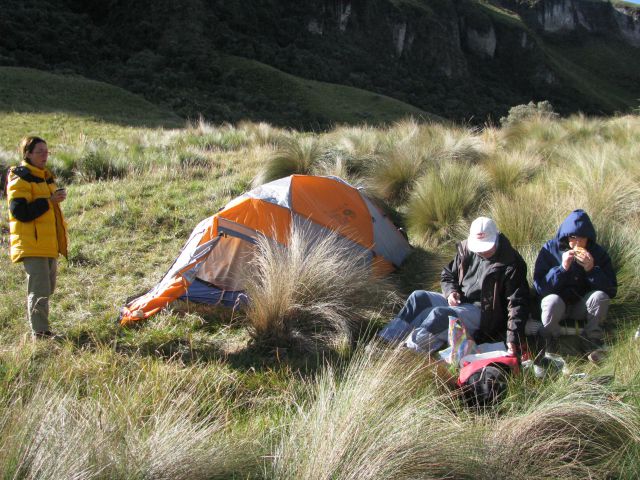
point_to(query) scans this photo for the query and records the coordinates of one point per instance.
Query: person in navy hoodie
(574, 284)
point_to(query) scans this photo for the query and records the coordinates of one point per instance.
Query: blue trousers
(423, 321)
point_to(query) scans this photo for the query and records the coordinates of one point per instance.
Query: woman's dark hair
(28, 144)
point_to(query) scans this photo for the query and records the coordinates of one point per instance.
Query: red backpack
(483, 378)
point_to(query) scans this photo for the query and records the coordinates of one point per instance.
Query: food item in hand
(579, 253)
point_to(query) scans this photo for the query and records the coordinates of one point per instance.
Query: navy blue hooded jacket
(571, 285)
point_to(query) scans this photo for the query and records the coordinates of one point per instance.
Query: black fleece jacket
(504, 299)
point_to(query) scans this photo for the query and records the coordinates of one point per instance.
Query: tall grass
(314, 293)
(181, 395)
(393, 173)
(443, 199)
(536, 135)
(463, 145)
(209, 137)
(296, 155)
(584, 433)
(264, 134)
(61, 436)
(507, 171)
(527, 216)
(382, 418)
(395, 422)
(594, 181)
(137, 424)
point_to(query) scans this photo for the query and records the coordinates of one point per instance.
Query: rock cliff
(466, 60)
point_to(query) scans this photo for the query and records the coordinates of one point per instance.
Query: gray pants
(41, 282)
(593, 308)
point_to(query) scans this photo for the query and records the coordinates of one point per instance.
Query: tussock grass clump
(357, 142)
(536, 134)
(91, 161)
(463, 145)
(599, 186)
(104, 415)
(206, 137)
(314, 294)
(394, 172)
(264, 134)
(525, 216)
(61, 435)
(621, 243)
(351, 152)
(508, 170)
(299, 155)
(194, 158)
(405, 151)
(382, 418)
(583, 434)
(442, 199)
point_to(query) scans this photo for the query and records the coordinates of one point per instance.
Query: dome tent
(210, 265)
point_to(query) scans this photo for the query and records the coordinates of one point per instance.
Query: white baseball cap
(483, 235)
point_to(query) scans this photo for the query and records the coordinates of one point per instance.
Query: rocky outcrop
(628, 21)
(482, 43)
(568, 16)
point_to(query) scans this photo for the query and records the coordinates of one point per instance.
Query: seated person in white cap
(485, 286)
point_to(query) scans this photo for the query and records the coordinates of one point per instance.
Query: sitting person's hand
(585, 259)
(567, 259)
(454, 299)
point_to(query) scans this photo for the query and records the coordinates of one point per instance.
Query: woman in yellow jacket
(38, 231)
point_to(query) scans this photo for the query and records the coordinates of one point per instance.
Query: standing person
(37, 229)
(574, 277)
(485, 286)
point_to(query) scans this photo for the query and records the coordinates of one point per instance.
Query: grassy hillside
(317, 103)
(603, 71)
(196, 393)
(32, 91)
(323, 102)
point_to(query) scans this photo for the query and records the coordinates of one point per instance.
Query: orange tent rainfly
(209, 267)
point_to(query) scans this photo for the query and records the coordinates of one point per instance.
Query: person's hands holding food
(583, 257)
(567, 259)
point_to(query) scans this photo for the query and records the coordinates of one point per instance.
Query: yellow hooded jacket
(36, 224)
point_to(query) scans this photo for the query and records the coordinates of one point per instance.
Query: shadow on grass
(420, 271)
(218, 337)
(218, 334)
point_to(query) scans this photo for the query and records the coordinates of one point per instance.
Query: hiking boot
(588, 345)
(47, 335)
(548, 360)
(597, 356)
(548, 364)
(556, 362)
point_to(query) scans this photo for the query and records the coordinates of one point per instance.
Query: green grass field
(191, 394)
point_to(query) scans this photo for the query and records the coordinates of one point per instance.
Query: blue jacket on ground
(571, 285)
